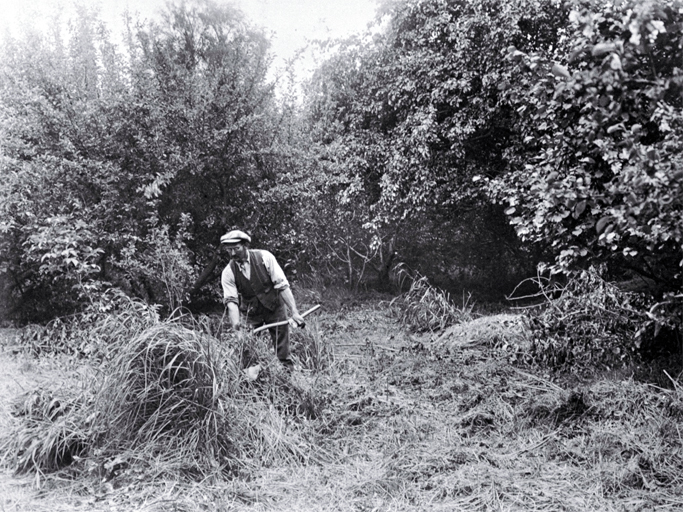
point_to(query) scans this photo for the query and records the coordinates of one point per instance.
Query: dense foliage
(599, 172)
(407, 118)
(464, 140)
(122, 165)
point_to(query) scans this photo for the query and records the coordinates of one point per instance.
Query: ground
(421, 421)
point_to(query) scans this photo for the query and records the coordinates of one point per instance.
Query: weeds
(426, 308)
(587, 324)
(407, 430)
(171, 391)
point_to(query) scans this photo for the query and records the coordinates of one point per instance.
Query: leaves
(602, 144)
(601, 224)
(559, 70)
(120, 140)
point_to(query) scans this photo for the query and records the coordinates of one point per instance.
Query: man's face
(237, 252)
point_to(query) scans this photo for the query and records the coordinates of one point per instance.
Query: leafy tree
(119, 165)
(199, 122)
(599, 173)
(413, 114)
(55, 191)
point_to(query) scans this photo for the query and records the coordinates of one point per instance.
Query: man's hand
(297, 320)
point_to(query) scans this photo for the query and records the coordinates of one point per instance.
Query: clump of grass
(165, 381)
(309, 348)
(50, 436)
(159, 391)
(427, 308)
(275, 385)
(112, 317)
(169, 393)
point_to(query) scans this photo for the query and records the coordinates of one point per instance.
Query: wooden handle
(283, 322)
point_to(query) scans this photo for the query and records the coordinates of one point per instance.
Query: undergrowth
(425, 307)
(112, 317)
(443, 422)
(587, 324)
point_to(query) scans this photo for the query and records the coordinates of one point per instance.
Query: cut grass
(427, 308)
(171, 394)
(431, 424)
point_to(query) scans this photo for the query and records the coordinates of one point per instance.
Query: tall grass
(310, 349)
(112, 317)
(425, 307)
(167, 392)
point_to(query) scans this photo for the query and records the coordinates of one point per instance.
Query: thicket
(468, 141)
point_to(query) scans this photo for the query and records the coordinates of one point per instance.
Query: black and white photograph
(341, 256)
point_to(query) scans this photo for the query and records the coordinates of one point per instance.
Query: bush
(589, 323)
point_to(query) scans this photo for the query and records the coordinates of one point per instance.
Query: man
(255, 287)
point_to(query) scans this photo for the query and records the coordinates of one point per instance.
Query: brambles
(591, 324)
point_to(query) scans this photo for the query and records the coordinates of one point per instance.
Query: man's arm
(230, 296)
(233, 314)
(288, 298)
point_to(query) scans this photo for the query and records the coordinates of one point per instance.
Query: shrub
(590, 323)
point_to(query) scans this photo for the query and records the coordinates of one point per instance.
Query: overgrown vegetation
(476, 141)
(468, 140)
(386, 422)
(589, 324)
(168, 391)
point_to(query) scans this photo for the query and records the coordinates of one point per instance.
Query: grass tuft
(172, 395)
(426, 308)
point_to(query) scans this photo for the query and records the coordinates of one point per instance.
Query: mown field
(374, 419)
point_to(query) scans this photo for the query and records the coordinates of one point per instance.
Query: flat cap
(235, 237)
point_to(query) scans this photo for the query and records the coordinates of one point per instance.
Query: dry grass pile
(158, 392)
(89, 334)
(165, 383)
(507, 332)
